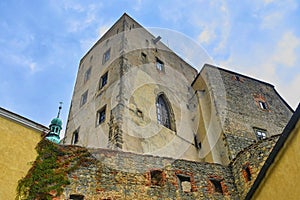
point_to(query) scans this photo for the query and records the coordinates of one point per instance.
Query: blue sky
(41, 43)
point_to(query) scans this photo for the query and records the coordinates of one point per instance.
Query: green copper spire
(55, 127)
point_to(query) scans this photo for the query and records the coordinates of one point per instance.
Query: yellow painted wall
(283, 178)
(17, 147)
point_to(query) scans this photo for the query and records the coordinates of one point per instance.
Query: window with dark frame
(75, 137)
(217, 185)
(106, 56)
(184, 182)
(101, 115)
(260, 133)
(144, 57)
(247, 173)
(83, 99)
(163, 112)
(103, 80)
(263, 105)
(87, 75)
(156, 177)
(159, 65)
(76, 197)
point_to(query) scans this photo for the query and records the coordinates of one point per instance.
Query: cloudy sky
(42, 41)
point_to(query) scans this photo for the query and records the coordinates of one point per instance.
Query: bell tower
(55, 127)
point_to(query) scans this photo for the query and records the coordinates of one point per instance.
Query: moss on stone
(49, 173)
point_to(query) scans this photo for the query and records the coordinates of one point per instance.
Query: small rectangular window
(260, 133)
(184, 182)
(247, 173)
(159, 65)
(156, 177)
(101, 115)
(103, 80)
(75, 137)
(144, 57)
(76, 197)
(106, 56)
(263, 105)
(217, 185)
(87, 75)
(83, 98)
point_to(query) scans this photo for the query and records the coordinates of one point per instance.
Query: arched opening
(164, 113)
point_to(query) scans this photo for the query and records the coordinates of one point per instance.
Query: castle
(156, 128)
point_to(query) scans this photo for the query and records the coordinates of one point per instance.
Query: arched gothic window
(164, 115)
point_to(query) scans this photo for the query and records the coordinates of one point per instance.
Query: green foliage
(48, 175)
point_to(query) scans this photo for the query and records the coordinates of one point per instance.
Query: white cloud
(26, 62)
(214, 24)
(285, 53)
(288, 91)
(271, 20)
(273, 13)
(268, 1)
(71, 5)
(84, 16)
(206, 36)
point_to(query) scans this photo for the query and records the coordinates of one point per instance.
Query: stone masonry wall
(237, 100)
(248, 163)
(236, 144)
(120, 175)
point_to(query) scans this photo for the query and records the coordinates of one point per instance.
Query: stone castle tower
(144, 124)
(134, 94)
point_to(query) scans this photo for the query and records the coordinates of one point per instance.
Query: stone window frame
(164, 112)
(103, 80)
(182, 174)
(260, 133)
(216, 185)
(76, 197)
(75, 137)
(159, 64)
(155, 174)
(101, 116)
(263, 105)
(87, 74)
(247, 172)
(261, 102)
(144, 57)
(106, 56)
(183, 178)
(83, 98)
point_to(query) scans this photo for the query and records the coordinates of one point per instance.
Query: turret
(55, 128)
